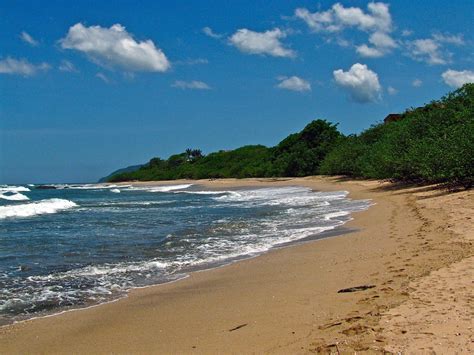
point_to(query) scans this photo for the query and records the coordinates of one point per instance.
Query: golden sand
(415, 245)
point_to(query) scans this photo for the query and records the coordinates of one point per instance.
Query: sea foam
(35, 208)
(6, 188)
(164, 188)
(14, 197)
(164, 236)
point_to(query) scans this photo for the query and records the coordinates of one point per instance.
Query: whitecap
(36, 208)
(117, 191)
(164, 188)
(14, 189)
(332, 215)
(14, 197)
(207, 192)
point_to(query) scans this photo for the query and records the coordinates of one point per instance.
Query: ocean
(83, 244)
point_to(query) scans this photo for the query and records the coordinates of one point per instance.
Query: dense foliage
(248, 161)
(434, 143)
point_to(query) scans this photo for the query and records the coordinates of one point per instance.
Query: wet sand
(415, 245)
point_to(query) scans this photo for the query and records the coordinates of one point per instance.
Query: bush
(434, 143)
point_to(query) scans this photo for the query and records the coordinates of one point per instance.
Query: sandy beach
(414, 245)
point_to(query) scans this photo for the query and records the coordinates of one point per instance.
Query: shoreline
(338, 231)
(333, 231)
(284, 300)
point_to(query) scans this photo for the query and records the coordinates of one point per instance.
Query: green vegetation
(432, 144)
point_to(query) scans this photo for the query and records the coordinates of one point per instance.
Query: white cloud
(21, 67)
(67, 66)
(338, 17)
(293, 83)
(376, 20)
(267, 42)
(449, 39)
(194, 85)
(382, 44)
(407, 33)
(26, 37)
(431, 50)
(417, 83)
(382, 40)
(115, 47)
(426, 50)
(369, 52)
(343, 42)
(392, 91)
(209, 32)
(456, 79)
(103, 77)
(361, 83)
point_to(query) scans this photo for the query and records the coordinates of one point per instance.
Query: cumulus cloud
(432, 50)
(21, 67)
(427, 50)
(376, 20)
(407, 33)
(193, 85)
(27, 38)
(450, 39)
(268, 42)
(369, 52)
(338, 17)
(209, 32)
(67, 66)
(361, 83)
(293, 83)
(382, 44)
(392, 91)
(115, 47)
(417, 83)
(456, 79)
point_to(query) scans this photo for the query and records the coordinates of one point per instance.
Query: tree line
(429, 144)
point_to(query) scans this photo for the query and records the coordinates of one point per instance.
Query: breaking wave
(14, 197)
(117, 241)
(5, 188)
(35, 208)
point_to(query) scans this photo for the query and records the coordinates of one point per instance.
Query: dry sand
(415, 245)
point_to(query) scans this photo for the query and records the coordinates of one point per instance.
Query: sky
(87, 87)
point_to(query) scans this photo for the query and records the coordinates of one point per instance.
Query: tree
(188, 152)
(196, 154)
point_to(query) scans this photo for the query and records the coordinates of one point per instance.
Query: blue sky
(87, 87)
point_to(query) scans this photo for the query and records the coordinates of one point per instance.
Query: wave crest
(6, 188)
(163, 188)
(14, 197)
(52, 205)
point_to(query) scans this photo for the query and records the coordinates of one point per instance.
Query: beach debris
(326, 326)
(238, 327)
(355, 288)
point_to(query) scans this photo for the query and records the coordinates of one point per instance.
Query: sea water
(80, 245)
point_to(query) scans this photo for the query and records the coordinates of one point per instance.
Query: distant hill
(128, 169)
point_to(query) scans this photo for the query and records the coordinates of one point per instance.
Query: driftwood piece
(238, 327)
(356, 288)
